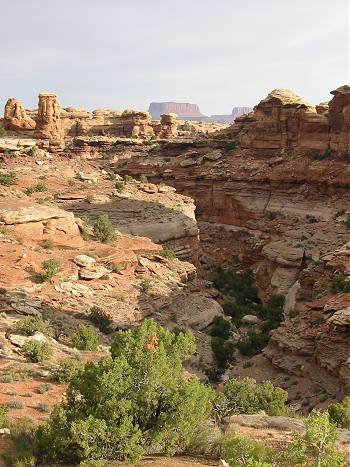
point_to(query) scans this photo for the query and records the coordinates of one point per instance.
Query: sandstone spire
(15, 116)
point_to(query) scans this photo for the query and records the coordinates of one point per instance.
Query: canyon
(269, 192)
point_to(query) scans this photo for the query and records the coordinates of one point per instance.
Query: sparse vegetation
(339, 413)
(143, 178)
(104, 230)
(42, 407)
(340, 283)
(127, 178)
(101, 319)
(4, 422)
(15, 405)
(45, 387)
(36, 351)
(85, 338)
(120, 187)
(7, 179)
(230, 146)
(146, 283)
(29, 325)
(120, 296)
(168, 254)
(39, 188)
(51, 268)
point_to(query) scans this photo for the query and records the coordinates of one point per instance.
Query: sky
(127, 53)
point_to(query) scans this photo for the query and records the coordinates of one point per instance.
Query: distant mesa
(186, 111)
(183, 110)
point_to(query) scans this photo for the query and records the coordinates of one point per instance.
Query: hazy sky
(127, 53)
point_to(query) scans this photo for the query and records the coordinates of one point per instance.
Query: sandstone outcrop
(167, 127)
(284, 122)
(49, 118)
(133, 124)
(339, 120)
(36, 223)
(16, 118)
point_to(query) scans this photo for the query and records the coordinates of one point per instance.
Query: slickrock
(16, 118)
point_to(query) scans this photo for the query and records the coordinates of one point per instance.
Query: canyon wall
(272, 193)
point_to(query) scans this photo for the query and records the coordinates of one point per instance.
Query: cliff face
(183, 110)
(272, 193)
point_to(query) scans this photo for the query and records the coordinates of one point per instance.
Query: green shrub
(86, 338)
(273, 312)
(45, 387)
(8, 179)
(340, 283)
(2, 131)
(133, 401)
(237, 311)
(36, 351)
(318, 446)
(120, 186)
(222, 351)
(4, 422)
(15, 405)
(245, 396)
(168, 254)
(240, 450)
(143, 178)
(100, 319)
(220, 327)
(116, 268)
(339, 413)
(238, 284)
(253, 343)
(146, 284)
(42, 407)
(51, 268)
(22, 436)
(67, 370)
(230, 146)
(104, 230)
(30, 325)
(39, 188)
(127, 178)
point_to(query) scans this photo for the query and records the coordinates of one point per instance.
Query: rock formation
(183, 110)
(49, 118)
(238, 111)
(133, 124)
(283, 121)
(339, 120)
(167, 127)
(16, 118)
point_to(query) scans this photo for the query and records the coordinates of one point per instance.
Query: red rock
(16, 118)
